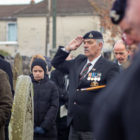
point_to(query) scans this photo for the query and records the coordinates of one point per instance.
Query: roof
(74, 7)
(39, 9)
(64, 8)
(8, 11)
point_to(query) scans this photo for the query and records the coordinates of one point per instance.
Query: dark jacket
(46, 102)
(59, 78)
(5, 102)
(79, 107)
(117, 110)
(5, 66)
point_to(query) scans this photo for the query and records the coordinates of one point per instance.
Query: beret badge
(114, 15)
(90, 35)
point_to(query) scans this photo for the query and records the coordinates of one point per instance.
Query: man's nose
(85, 45)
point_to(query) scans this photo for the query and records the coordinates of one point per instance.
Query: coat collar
(99, 63)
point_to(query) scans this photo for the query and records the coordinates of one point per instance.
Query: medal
(89, 76)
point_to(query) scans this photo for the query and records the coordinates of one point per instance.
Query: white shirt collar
(119, 63)
(94, 61)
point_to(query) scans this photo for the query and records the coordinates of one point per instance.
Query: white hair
(121, 42)
(100, 41)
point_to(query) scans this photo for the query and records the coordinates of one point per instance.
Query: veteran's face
(120, 52)
(92, 48)
(132, 14)
(130, 36)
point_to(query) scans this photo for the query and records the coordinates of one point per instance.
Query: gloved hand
(39, 130)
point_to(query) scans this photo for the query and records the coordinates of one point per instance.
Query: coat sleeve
(5, 66)
(59, 61)
(51, 114)
(5, 98)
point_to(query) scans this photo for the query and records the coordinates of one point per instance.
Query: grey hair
(100, 41)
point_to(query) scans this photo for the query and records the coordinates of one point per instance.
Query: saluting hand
(74, 44)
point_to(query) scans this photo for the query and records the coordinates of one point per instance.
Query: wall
(70, 27)
(31, 35)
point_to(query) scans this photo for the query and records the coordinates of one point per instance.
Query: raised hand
(74, 44)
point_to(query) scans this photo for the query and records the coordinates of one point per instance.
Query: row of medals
(95, 78)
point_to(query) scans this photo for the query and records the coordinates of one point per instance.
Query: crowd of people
(87, 97)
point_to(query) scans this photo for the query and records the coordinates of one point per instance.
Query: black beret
(93, 35)
(118, 11)
(39, 62)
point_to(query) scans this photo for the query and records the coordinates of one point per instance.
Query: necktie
(85, 70)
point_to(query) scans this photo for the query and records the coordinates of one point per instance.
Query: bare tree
(102, 8)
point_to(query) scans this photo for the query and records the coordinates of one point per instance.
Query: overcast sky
(3, 2)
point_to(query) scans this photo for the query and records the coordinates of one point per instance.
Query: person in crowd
(83, 72)
(5, 102)
(117, 15)
(121, 54)
(49, 65)
(117, 109)
(46, 101)
(5, 66)
(62, 82)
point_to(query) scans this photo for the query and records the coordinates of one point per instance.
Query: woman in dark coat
(46, 102)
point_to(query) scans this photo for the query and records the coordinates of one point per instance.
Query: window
(12, 32)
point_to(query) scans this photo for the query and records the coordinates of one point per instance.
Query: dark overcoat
(80, 103)
(117, 110)
(5, 66)
(5, 102)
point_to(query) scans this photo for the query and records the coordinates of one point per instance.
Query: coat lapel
(78, 71)
(98, 64)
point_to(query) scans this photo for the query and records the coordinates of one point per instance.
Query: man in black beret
(87, 70)
(117, 108)
(117, 15)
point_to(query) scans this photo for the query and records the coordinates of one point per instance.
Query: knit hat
(39, 62)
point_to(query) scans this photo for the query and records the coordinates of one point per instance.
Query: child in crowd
(46, 102)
